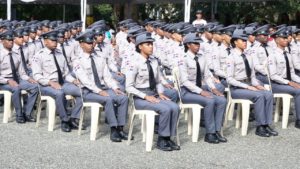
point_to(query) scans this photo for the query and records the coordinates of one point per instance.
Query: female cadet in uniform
(143, 81)
(244, 85)
(192, 70)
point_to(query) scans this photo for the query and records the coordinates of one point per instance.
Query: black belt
(146, 89)
(258, 73)
(222, 78)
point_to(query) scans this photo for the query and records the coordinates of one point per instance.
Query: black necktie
(219, 44)
(95, 73)
(13, 68)
(247, 66)
(198, 75)
(60, 77)
(210, 41)
(152, 82)
(252, 45)
(64, 53)
(42, 43)
(99, 46)
(228, 51)
(289, 48)
(23, 60)
(265, 47)
(287, 64)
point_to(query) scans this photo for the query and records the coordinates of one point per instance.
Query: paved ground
(26, 147)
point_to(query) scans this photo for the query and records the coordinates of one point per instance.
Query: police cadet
(282, 73)
(260, 54)
(105, 51)
(14, 79)
(222, 52)
(244, 85)
(50, 69)
(193, 71)
(99, 86)
(295, 53)
(143, 81)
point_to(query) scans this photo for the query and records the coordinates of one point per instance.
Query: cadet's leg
(59, 97)
(257, 98)
(73, 90)
(122, 107)
(174, 116)
(33, 92)
(220, 102)
(172, 94)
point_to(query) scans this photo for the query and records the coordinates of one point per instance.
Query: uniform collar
(16, 46)
(237, 51)
(4, 51)
(190, 54)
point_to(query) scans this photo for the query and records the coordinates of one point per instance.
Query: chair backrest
(177, 84)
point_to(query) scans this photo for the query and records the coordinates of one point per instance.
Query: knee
(222, 101)
(210, 102)
(59, 93)
(165, 110)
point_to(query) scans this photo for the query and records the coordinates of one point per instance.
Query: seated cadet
(282, 73)
(99, 86)
(221, 54)
(244, 85)
(261, 54)
(50, 69)
(14, 79)
(295, 52)
(192, 71)
(143, 81)
(61, 45)
(105, 50)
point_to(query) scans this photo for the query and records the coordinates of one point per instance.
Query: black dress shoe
(163, 144)
(74, 123)
(20, 119)
(173, 145)
(297, 124)
(221, 138)
(124, 135)
(65, 127)
(29, 118)
(115, 136)
(271, 131)
(262, 132)
(211, 138)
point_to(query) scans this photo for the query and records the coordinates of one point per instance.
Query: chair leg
(231, 112)
(245, 118)
(99, 120)
(81, 121)
(190, 122)
(7, 108)
(277, 110)
(177, 132)
(130, 128)
(38, 114)
(94, 122)
(150, 131)
(228, 108)
(144, 127)
(196, 124)
(238, 117)
(186, 114)
(285, 113)
(52, 115)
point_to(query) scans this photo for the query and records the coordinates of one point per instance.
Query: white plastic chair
(285, 98)
(194, 115)
(148, 119)
(242, 113)
(96, 109)
(51, 109)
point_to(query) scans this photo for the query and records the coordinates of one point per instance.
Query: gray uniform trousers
(116, 106)
(168, 113)
(214, 108)
(120, 79)
(219, 86)
(73, 90)
(60, 100)
(32, 90)
(263, 103)
(282, 88)
(262, 78)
